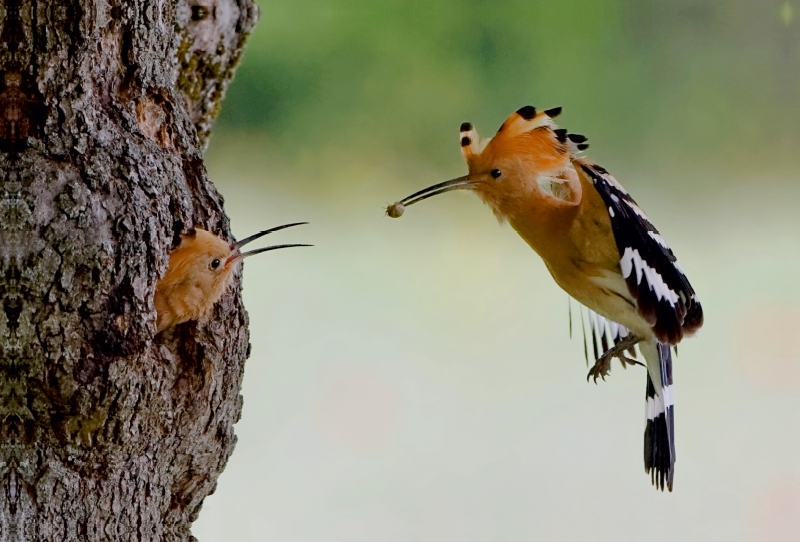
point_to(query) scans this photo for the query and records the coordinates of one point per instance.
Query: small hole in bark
(199, 13)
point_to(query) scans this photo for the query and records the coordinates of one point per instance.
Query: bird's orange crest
(528, 159)
(526, 134)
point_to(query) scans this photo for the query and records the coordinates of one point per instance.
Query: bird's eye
(496, 173)
(215, 263)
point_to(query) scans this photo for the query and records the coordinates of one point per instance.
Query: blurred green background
(414, 379)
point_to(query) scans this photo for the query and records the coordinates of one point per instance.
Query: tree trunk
(108, 432)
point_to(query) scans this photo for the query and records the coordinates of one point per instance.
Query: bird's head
(207, 262)
(524, 167)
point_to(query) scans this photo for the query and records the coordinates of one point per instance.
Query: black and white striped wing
(663, 293)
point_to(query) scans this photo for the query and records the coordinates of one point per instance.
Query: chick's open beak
(238, 255)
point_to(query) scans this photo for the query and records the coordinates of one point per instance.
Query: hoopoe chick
(598, 245)
(200, 270)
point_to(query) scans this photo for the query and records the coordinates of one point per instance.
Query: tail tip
(659, 477)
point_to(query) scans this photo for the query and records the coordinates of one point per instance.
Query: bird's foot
(602, 366)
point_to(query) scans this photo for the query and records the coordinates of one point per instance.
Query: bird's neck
(545, 230)
(544, 221)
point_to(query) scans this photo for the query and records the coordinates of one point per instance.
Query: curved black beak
(238, 255)
(396, 209)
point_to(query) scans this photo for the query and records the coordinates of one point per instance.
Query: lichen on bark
(107, 431)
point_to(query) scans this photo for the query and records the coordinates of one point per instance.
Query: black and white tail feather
(659, 433)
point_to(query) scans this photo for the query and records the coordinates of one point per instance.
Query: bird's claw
(601, 369)
(602, 366)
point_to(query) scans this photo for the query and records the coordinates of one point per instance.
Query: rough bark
(108, 432)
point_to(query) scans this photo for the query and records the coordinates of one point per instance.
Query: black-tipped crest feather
(527, 112)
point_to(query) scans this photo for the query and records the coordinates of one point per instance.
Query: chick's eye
(215, 263)
(495, 173)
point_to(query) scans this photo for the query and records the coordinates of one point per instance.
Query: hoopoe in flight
(200, 269)
(598, 245)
